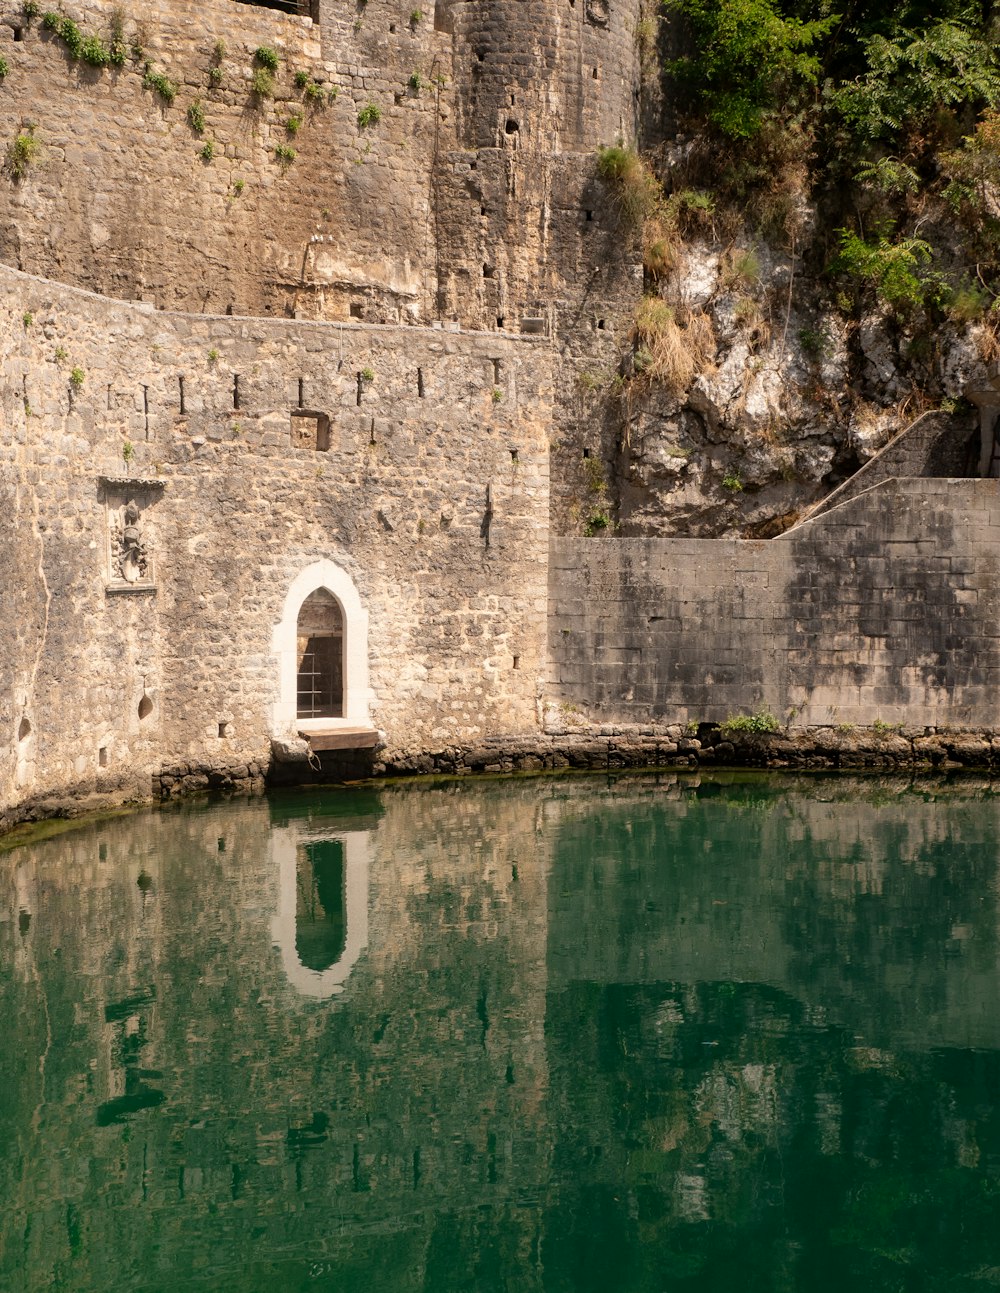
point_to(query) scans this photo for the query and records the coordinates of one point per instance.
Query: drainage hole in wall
(223, 730)
(102, 756)
(517, 662)
(586, 453)
(513, 455)
(145, 707)
(357, 309)
(221, 844)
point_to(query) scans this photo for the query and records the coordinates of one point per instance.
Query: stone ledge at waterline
(613, 746)
(604, 748)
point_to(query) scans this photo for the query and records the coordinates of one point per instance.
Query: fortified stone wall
(390, 220)
(885, 608)
(431, 497)
(119, 198)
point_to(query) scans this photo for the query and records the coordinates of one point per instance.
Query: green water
(574, 1034)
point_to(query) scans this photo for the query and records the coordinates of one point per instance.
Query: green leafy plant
(215, 77)
(4, 68)
(750, 58)
(369, 115)
(911, 75)
(213, 356)
(196, 117)
(496, 394)
(892, 268)
(238, 187)
(314, 92)
(77, 377)
(416, 81)
(732, 483)
(61, 354)
(416, 16)
(70, 33)
(164, 87)
(94, 52)
(285, 154)
(367, 374)
(22, 150)
(27, 318)
(294, 124)
(301, 79)
(117, 48)
(889, 176)
(207, 151)
(218, 51)
(760, 723)
(267, 57)
(262, 83)
(597, 522)
(31, 9)
(128, 451)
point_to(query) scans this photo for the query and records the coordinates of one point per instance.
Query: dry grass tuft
(668, 352)
(636, 190)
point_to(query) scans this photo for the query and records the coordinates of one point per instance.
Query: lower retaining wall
(884, 609)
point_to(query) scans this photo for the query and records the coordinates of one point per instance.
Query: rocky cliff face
(792, 400)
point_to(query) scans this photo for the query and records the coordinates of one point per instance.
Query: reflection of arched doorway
(320, 904)
(321, 925)
(319, 684)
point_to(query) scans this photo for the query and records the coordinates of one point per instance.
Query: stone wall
(883, 609)
(937, 444)
(431, 499)
(393, 220)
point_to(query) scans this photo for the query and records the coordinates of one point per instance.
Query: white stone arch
(357, 694)
(285, 844)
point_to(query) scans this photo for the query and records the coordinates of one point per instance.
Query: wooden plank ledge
(340, 738)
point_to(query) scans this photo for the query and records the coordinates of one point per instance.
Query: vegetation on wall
(21, 152)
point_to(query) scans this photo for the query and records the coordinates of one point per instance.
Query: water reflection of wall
(875, 907)
(780, 1067)
(178, 1080)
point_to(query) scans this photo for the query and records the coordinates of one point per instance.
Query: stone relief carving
(129, 505)
(598, 12)
(129, 555)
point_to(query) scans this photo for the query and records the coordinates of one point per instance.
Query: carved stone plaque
(130, 539)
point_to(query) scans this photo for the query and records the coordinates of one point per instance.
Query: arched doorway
(322, 601)
(319, 682)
